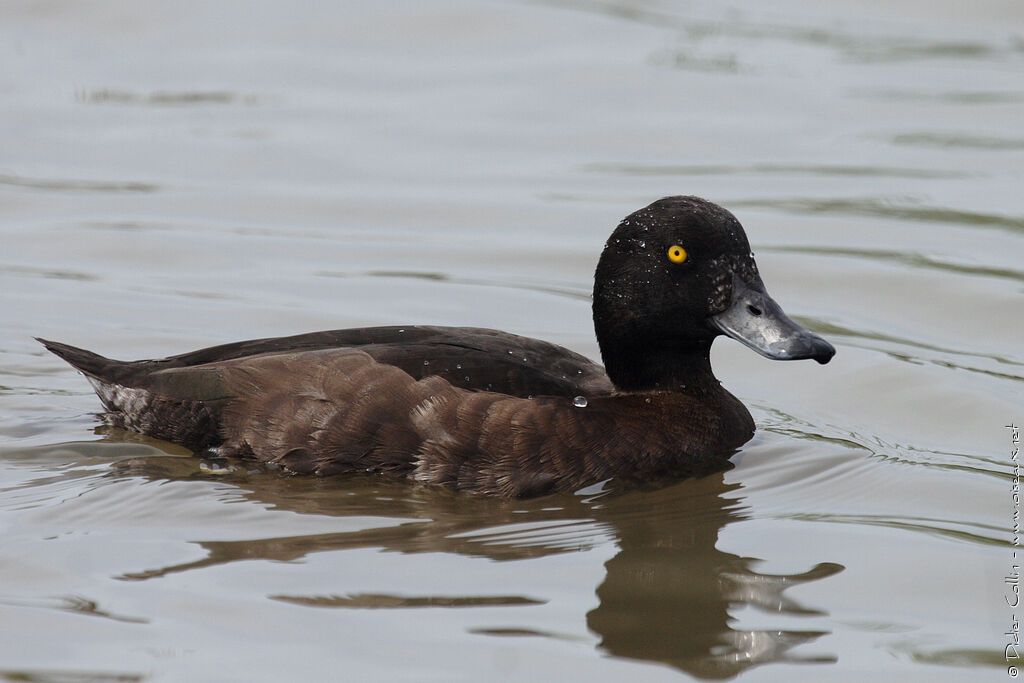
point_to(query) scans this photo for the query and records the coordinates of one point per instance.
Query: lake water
(176, 175)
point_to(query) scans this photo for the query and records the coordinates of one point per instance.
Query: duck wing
(468, 357)
(180, 398)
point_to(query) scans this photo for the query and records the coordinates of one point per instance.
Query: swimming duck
(487, 411)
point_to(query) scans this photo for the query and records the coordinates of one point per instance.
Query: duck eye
(676, 254)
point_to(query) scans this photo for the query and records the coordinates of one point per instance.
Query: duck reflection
(667, 594)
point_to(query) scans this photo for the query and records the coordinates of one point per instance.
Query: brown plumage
(483, 410)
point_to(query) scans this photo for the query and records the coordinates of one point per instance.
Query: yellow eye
(676, 254)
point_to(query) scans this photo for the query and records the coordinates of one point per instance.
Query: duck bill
(755, 320)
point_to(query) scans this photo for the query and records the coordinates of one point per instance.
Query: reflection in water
(666, 596)
(668, 592)
(378, 601)
(71, 603)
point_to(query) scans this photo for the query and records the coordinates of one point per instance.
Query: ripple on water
(899, 208)
(838, 170)
(965, 141)
(560, 289)
(816, 474)
(166, 98)
(77, 184)
(901, 257)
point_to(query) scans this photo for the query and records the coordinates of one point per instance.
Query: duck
(485, 411)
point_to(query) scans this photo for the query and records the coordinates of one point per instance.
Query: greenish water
(176, 176)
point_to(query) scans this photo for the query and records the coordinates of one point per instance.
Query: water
(176, 178)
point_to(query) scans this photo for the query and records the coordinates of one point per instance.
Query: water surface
(172, 178)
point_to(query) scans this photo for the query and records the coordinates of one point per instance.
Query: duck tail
(135, 400)
(104, 374)
(89, 363)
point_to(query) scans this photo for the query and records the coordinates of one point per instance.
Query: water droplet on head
(401, 331)
(458, 366)
(643, 245)
(426, 362)
(647, 400)
(580, 401)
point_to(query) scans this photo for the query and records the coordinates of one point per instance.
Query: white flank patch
(127, 400)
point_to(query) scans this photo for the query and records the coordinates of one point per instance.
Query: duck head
(672, 277)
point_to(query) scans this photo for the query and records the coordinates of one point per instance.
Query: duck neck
(684, 368)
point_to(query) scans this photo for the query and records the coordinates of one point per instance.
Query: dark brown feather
(343, 411)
